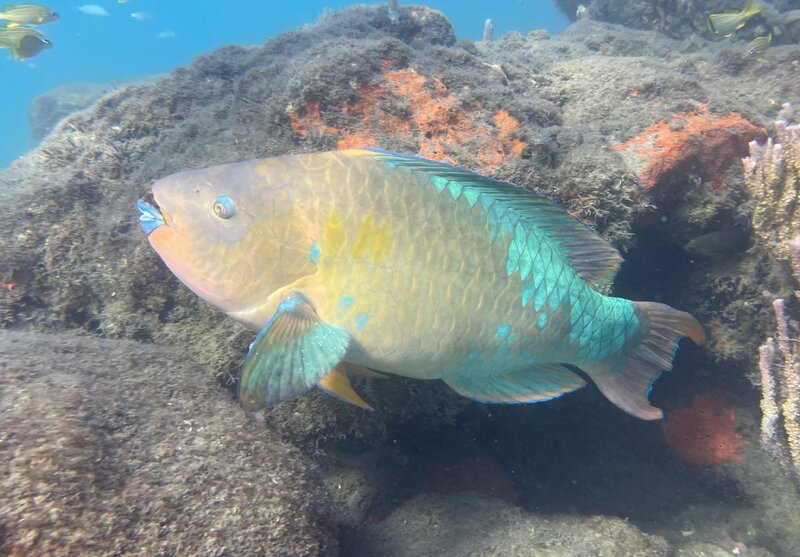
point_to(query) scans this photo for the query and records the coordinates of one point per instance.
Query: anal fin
(337, 384)
(363, 371)
(535, 384)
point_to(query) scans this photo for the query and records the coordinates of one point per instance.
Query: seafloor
(117, 424)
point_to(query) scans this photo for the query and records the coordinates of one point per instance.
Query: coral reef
(681, 18)
(539, 111)
(779, 364)
(772, 175)
(406, 106)
(114, 447)
(705, 433)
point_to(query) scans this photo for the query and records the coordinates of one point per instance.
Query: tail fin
(627, 381)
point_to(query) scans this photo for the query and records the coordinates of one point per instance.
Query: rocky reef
(47, 109)
(116, 447)
(639, 134)
(681, 19)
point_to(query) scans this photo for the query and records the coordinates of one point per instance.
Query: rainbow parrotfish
(370, 260)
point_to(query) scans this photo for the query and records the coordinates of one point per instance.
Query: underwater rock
(49, 108)
(114, 447)
(667, 155)
(469, 524)
(478, 473)
(705, 549)
(677, 19)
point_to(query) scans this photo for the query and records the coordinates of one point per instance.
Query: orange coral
(705, 433)
(312, 120)
(666, 154)
(507, 126)
(406, 105)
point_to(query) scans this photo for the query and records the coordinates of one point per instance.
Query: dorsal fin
(594, 259)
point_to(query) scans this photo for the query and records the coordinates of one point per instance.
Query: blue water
(90, 48)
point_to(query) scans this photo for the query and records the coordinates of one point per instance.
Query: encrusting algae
(433, 118)
(665, 154)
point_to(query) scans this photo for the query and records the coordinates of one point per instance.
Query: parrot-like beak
(150, 218)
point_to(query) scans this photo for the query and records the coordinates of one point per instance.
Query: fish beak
(150, 218)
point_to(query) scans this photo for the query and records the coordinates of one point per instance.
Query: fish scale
(411, 267)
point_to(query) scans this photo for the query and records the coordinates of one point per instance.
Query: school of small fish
(727, 23)
(17, 35)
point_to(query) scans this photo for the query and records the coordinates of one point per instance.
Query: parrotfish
(364, 259)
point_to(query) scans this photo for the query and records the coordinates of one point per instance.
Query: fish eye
(224, 207)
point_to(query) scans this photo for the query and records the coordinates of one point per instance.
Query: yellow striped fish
(727, 23)
(27, 14)
(373, 260)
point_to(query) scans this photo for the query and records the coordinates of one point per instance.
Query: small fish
(141, 16)
(488, 31)
(27, 14)
(166, 35)
(721, 244)
(93, 9)
(727, 23)
(413, 267)
(759, 46)
(734, 547)
(23, 42)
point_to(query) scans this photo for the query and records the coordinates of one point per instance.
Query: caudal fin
(627, 381)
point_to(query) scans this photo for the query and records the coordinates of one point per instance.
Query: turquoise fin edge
(593, 258)
(535, 384)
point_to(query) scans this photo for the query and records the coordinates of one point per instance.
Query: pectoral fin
(291, 354)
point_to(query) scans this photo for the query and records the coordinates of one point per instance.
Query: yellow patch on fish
(382, 242)
(372, 243)
(334, 233)
(365, 232)
(262, 169)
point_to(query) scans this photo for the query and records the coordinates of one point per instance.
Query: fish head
(31, 45)
(48, 16)
(224, 231)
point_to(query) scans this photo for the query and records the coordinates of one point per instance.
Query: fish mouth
(150, 218)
